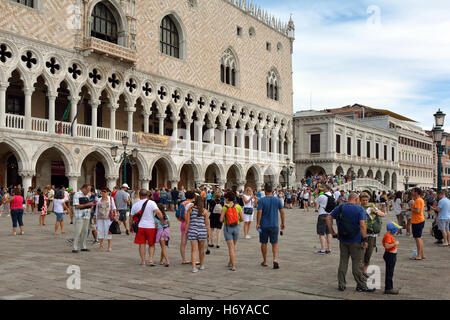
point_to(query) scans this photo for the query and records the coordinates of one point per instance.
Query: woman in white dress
(103, 208)
(249, 204)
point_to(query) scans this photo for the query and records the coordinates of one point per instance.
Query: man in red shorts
(146, 231)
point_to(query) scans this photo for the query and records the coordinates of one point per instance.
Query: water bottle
(259, 230)
(415, 252)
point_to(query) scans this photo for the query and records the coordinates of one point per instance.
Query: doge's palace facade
(203, 89)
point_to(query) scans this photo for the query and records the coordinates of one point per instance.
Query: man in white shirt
(337, 195)
(322, 230)
(146, 231)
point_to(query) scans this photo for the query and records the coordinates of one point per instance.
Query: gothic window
(170, 40)
(228, 67)
(104, 25)
(273, 86)
(28, 3)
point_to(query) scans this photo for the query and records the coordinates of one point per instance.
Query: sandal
(187, 262)
(264, 265)
(275, 265)
(414, 258)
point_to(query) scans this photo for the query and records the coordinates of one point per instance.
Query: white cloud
(403, 65)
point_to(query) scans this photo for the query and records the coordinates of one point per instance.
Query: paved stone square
(34, 265)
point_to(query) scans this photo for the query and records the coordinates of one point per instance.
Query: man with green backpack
(373, 224)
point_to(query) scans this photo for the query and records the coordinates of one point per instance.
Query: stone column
(161, 118)
(27, 177)
(274, 141)
(230, 135)
(174, 184)
(221, 184)
(28, 93)
(113, 107)
(73, 182)
(73, 112)
(144, 183)
(222, 137)
(240, 185)
(3, 87)
(198, 131)
(290, 142)
(146, 116)
(241, 139)
(130, 112)
(112, 181)
(51, 111)
(282, 145)
(94, 105)
(250, 134)
(260, 134)
(175, 127)
(188, 133)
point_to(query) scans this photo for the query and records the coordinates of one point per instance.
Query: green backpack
(373, 224)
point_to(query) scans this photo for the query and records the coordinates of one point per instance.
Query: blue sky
(391, 54)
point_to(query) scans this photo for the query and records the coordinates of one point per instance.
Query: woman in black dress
(215, 224)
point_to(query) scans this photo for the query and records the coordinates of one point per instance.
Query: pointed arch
(22, 157)
(273, 84)
(64, 153)
(229, 67)
(172, 36)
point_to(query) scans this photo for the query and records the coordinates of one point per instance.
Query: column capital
(175, 119)
(130, 110)
(4, 85)
(198, 122)
(52, 94)
(161, 116)
(27, 173)
(28, 90)
(211, 126)
(95, 103)
(188, 122)
(112, 177)
(114, 106)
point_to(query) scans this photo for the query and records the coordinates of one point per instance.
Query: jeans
(355, 251)
(16, 216)
(390, 259)
(81, 230)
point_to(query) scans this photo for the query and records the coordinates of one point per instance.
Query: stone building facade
(331, 144)
(203, 89)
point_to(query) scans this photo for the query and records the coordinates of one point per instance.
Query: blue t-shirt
(208, 196)
(159, 225)
(269, 206)
(356, 214)
(444, 205)
(258, 195)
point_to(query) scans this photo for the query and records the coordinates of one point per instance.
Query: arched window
(28, 3)
(228, 68)
(273, 87)
(104, 25)
(170, 40)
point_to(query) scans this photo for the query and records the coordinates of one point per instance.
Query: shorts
(59, 216)
(30, 202)
(145, 235)
(123, 215)
(417, 229)
(214, 221)
(269, 232)
(372, 243)
(164, 201)
(289, 201)
(248, 217)
(231, 233)
(322, 228)
(444, 224)
(183, 227)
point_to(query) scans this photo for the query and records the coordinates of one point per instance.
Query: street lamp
(440, 140)
(288, 169)
(124, 157)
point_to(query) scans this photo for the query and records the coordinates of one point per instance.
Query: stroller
(435, 232)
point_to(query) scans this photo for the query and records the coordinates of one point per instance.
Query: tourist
(398, 210)
(5, 205)
(135, 198)
(215, 224)
(190, 198)
(156, 196)
(352, 232)
(146, 233)
(197, 226)
(82, 215)
(72, 209)
(373, 227)
(390, 256)
(384, 202)
(231, 216)
(93, 221)
(418, 222)
(443, 217)
(51, 197)
(429, 198)
(36, 200)
(175, 199)
(42, 206)
(122, 200)
(169, 200)
(30, 203)
(163, 197)
(249, 204)
(59, 206)
(16, 204)
(268, 224)
(163, 236)
(306, 196)
(326, 204)
(181, 196)
(105, 209)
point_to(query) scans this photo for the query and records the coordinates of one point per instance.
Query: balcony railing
(15, 121)
(39, 125)
(110, 49)
(103, 133)
(83, 131)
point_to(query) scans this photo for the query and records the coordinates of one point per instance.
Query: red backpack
(231, 216)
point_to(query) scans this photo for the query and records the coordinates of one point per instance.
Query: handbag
(114, 228)
(137, 218)
(112, 215)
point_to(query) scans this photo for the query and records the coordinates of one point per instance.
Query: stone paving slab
(34, 266)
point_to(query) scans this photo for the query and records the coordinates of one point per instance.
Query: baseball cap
(393, 227)
(125, 186)
(69, 189)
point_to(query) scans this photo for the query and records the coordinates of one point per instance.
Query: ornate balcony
(109, 49)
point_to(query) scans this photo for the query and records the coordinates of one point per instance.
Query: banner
(153, 140)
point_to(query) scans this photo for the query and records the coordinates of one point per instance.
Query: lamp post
(288, 169)
(125, 158)
(440, 140)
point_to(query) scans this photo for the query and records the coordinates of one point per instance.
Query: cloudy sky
(391, 54)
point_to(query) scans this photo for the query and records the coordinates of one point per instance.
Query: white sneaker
(22, 233)
(14, 234)
(202, 268)
(247, 237)
(195, 270)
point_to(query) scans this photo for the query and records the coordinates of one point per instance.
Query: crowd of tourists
(205, 213)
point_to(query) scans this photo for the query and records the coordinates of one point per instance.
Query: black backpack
(346, 228)
(331, 204)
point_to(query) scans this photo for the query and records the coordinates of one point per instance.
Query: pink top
(17, 203)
